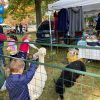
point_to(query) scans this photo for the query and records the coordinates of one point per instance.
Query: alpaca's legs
(61, 96)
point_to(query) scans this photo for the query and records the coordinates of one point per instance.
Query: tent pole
(50, 30)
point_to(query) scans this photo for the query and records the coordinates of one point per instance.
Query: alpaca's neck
(41, 59)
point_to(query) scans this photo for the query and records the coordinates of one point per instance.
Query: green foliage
(44, 6)
(17, 8)
(90, 19)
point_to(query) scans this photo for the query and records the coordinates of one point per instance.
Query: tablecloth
(89, 54)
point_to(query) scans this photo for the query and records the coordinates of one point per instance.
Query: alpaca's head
(42, 51)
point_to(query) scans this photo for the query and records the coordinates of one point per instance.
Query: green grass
(77, 92)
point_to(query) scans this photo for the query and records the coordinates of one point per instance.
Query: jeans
(22, 55)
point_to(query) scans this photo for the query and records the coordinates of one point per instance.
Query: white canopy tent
(86, 4)
(90, 7)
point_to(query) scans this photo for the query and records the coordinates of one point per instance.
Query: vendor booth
(72, 25)
(70, 15)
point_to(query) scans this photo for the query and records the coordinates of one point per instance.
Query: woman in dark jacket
(2, 59)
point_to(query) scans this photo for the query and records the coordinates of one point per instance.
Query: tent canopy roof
(88, 5)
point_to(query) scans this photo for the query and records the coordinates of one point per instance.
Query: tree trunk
(38, 12)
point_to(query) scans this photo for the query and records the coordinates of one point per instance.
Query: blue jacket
(17, 84)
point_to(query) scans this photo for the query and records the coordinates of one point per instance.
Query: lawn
(84, 87)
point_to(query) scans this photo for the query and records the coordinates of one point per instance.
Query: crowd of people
(17, 80)
(21, 29)
(12, 46)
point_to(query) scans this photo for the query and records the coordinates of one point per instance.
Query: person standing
(20, 29)
(16, 28)
(98, 25)
(26, 27)
(2, 58)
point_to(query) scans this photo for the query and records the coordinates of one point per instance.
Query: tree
(39, 5)
(17, 8)
(38, 12)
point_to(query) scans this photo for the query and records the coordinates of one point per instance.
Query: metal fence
(86, 87)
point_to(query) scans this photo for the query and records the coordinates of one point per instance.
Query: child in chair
(16, 83)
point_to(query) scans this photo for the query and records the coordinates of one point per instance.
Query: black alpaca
(68, 78)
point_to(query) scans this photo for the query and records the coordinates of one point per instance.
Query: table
(89, 54)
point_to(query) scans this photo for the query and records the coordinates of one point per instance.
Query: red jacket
(24, 47)
(2, 37)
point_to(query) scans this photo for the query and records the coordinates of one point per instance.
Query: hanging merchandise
(76, 20)
(55, 21)
(1, 20)
(63, 25)
(56, 25)
(1, 9)
(63, 21)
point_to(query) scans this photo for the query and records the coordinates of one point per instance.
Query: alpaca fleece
(37, 83)
(68, 78)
